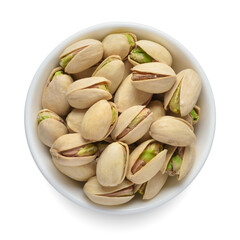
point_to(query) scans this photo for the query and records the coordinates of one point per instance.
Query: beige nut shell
(173, 131)
(74, 119)
(150, 169)
(112, 164)
(54, 93)
(94, 190)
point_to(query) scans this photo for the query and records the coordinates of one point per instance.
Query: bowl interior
(204, 129)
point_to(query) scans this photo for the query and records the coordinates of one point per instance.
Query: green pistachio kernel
(113, 115)
(194, 115)
(57, 73)
(87, 150)
(174, 164)
(151, 151)
(174, 104)
(44, 115)
(139, 56)
(143, 114)
(65, 60)
(130, 40)
(103, 87)
(142, 188)
(105, 63)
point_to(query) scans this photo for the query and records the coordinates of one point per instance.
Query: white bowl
(205, 129)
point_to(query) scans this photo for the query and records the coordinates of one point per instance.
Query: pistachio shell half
(179, 161)
(50, 126)
(173, 131)
(81, 55)
(72, 150)
(78, 173)
(85, 92)
(145, 161)
(99, 120)
(112, 164)
(193, 116)
(108, 196)
(74, 119)
(153, 77)
(112, 68)
(132, 124)
(184, 94)
(128, 96)
(149, 51)
(54, 93)
(118, 44)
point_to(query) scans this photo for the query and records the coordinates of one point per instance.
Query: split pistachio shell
(54, 93)
(158, 111)
(112, 68)
(50, 127)
(128, 96)
(153, 77)
(154, 51)
(108, 196)
(66, 150)
(128, 67)
(188, 85)
(81, 55)
(83, 93)
(118, 44)
(150, 169)
(187, 160)
(78, 173)
(193, 116)
(127, 119)
(74, 119)
(154, 185)
(99, 121)
(173, 131)
(112, 164)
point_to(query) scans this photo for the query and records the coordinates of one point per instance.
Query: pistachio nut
(74, 119)
(153, 77)
(85, 92)
(182, 97)
(118, 44)
(173, 131)
(99, 121)
(112, 164)
(128, 96)
(128, 67)
(152, 187)
(179, 161)
(132, 124)
(145, 161)
(85, 74)
(50, 126)
(108, 196)
(193, 116)
(158, 111)
(54, 93)
(112, 68)
(148, 51)
(78, 173)
(72, 150)
(81, 55)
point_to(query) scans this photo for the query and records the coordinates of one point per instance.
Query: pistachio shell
(54, 93)
(68, 142)
(78, 173)
(97, 121)
(150, 169)
(95, 192)
(112, 68)
(125, 119)
(165, 80)
(189, 117)
(50, 129)
(85, 74)
(158, 111)
(112, 164)
(117, 44)
(74, 119)
(173, 131)
(91, 53)
(80, 95)
(155, 50)
(154, 185)
(128, 96)
(191, 86)
(128, 67)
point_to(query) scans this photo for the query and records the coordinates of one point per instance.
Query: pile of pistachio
(116, 116)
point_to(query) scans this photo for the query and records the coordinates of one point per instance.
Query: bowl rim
(34, 81)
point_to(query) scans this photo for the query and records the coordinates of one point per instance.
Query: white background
(31, 209)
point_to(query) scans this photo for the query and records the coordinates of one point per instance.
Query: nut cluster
(116, 115)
